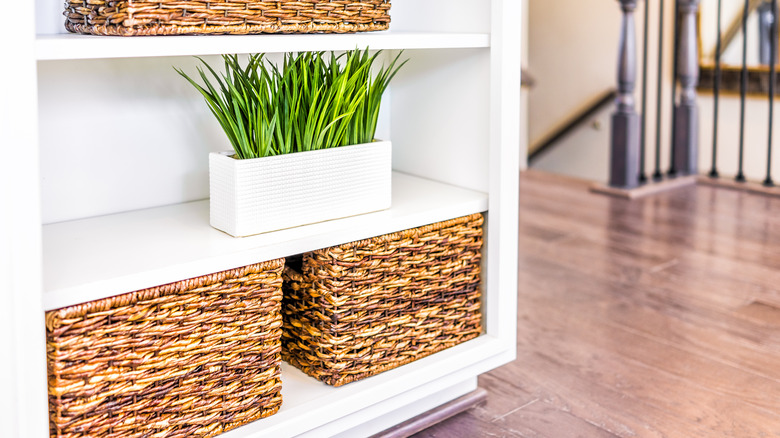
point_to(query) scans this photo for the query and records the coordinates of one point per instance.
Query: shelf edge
(61, 47)
(215, 252)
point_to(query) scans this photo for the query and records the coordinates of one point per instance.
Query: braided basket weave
(181, 17)
(358, 309)
(189, 359)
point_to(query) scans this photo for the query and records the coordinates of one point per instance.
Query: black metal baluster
(716, 95)
(657, 173)
(675, 69)
(765, 17)
(772, 78)
(742, 91)
(642, 175)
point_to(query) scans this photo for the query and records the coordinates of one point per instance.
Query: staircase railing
(628, 150)
(627, 157)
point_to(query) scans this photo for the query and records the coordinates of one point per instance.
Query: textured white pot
(272, 193)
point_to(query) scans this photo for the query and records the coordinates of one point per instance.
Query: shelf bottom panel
(311, 408)
(99, 257)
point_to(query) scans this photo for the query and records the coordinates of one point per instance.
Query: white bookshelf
(87, 215)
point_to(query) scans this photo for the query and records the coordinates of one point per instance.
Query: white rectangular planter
(272, 193)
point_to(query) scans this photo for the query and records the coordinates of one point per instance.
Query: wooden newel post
(686, 136)
(624, 157)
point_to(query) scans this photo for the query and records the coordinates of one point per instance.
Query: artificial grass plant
(313, 101)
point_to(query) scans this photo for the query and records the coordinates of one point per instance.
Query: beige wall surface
(572, 50)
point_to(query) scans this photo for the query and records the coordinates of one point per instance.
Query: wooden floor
(657, 317)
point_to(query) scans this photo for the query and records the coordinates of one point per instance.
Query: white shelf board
(304, 397)
(99, 257)
(72, 46)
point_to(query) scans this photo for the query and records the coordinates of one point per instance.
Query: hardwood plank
(750, 186)
(657, 317)
(669, 231)
(655, 305)
(696, 373)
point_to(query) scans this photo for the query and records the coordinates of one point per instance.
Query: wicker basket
(180, 17)
(189, 359)
(358, 309)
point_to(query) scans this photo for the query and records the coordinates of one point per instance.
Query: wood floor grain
(657, 317)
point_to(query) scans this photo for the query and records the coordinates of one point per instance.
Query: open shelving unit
(89, 215)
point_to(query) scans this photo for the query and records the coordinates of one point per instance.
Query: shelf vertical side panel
(23, 401)
(502, 231)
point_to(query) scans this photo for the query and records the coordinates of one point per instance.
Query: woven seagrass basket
(356, 310)
(183, 17)
(189, 359)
